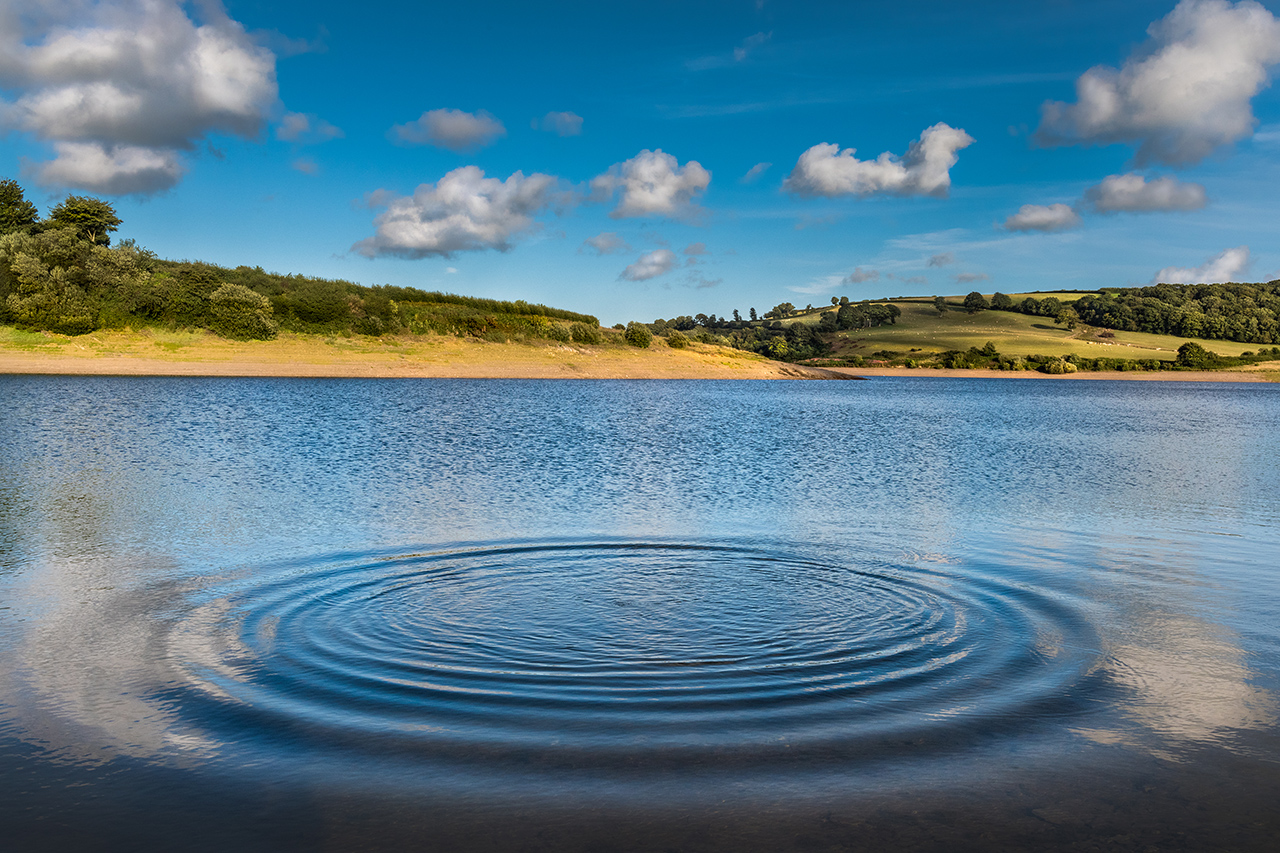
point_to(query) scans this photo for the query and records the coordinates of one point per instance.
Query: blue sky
(638, 160)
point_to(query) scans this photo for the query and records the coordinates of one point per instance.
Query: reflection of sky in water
(1150, 510)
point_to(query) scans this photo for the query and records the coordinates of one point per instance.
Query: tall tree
(16, 212)
(93, 218)
(975, 302)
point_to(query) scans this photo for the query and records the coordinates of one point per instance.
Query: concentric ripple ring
(626, 649)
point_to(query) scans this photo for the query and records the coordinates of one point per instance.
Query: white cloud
(121, 89)
(825, 170)
(1183, 93)
(118, 170)
(306, 165)
(1222, 267)
(652, 184)
(859, 275)
(970, 277)
(463, 212)
(564, 124)
(754, 173)
(942, 259)
(749, 44)
(1043, 217)
(656, 263)
(695, 249)
(452, 129)
(305, 129)
(1133, 193)
(605, 243)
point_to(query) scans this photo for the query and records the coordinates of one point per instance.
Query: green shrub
(638, 335)
(238, 312)
(677, 340)
(581, 333)
(1057, 367)
(557, 332)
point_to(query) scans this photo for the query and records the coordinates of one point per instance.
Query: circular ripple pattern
(632, 649)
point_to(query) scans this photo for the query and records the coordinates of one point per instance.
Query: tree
(975, 302)
(1069, 316)
(940, 304)
(1001, 302)
(835, 300)
(1191, 354)
(638, 335)
(752, 314)
(93, 218)
(16, 213)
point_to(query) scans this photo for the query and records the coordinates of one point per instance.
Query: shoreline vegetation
(156, 352)
(70, 302)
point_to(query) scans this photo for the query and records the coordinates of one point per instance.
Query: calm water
(684, 616)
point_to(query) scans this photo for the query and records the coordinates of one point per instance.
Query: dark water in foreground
(685, 616)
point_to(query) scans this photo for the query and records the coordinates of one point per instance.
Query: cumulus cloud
(1183, 93)
(754, 173)
(656, 263)
(652, 183)
(605, 243)
(1135, 194)
(564, 124)
(749, 44)
(970, 277)
(1043, 217)
(825, 170)
(463, 212)
(860, 275)
(943, 259)
(1225, 266)
(121, 90)
(452, 129)
(306, 129)
(115, 170)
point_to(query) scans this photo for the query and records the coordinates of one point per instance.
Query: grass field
(921, 328)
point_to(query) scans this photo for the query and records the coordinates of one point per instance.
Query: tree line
(1248, 313)
(62, 274)
(768, 335)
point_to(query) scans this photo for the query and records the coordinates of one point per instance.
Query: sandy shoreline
(194, 354)
(150, 353)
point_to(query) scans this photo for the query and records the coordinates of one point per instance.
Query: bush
(581, 333)
(238, 312)
(1057, 367)
(557, 332)
(677, 340)
(638, 335)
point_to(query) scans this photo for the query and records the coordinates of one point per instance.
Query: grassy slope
(159, 352)
(921, 327)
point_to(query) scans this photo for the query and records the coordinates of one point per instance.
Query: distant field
(921, 327)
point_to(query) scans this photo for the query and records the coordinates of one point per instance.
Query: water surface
(523, 615)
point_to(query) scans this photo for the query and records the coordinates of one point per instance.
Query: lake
(907, 613)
